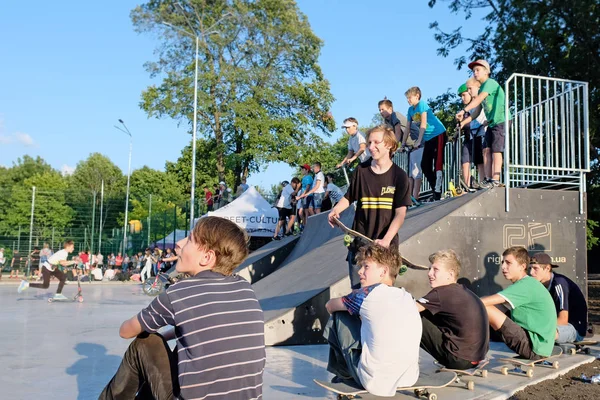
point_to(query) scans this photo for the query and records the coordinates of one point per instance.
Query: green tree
(262, 94)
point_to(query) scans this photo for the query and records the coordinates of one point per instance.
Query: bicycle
(154, 286)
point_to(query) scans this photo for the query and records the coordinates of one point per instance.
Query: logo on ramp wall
(534, 236)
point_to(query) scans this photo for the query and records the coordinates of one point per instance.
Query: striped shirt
(220, 335)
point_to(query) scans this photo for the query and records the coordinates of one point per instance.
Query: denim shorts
(318, 199)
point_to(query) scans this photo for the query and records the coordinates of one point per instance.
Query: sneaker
(23, 286)
(437, 196)
(59, 296)
(496, 183)
(276, 238)
(486, 184)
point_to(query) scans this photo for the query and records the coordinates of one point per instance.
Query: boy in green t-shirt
(531, 328)
(491, 96)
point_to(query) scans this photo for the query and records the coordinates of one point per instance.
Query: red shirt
(84, 258)
(209, 198)
(119, 261)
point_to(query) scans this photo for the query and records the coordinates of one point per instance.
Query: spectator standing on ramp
(396, 120)
(491, 97)
(531, 329)
(217, 321)
(433, 133)
(357, 145)
(306, 203)
(317, 190)
(374, 332)
(284, 207)
(455, 324)
(52, 268)
(381, 191)
(332, 191)
(569, 302)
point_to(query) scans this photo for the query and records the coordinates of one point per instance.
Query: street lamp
(128, 178)
(197, 36)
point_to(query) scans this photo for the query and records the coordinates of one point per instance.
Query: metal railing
(547, 141)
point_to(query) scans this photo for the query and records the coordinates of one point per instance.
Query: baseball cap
(222, 183)
(306, 167)
(285, 183)
(482, 63)
(349, 124)
(462, 89)
(542, 258)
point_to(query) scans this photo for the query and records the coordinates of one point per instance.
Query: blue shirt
(434, 125)
(307, 182)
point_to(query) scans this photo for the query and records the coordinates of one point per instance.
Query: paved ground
(71, 350)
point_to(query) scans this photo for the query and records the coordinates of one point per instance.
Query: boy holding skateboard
(569, 302)
(51, 268)
(455, 323)
(531, 329)
(217, 321)
(381, 191)
(374, 332)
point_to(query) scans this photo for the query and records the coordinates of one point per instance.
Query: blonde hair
(413, 91)
(473, 81)
(389, 138)
(382, 256)
(449, 259)
(225, 239)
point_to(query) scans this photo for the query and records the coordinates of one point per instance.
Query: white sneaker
(59, 296)
(23, 286)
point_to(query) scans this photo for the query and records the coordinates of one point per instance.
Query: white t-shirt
(319, 177)
(97, 272)
(55, 259)
(390, 335)
(284, 199)
(354, 143)
(2, 260)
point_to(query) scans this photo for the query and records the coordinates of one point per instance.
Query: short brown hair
(382, 256)
(413, 91)
(386, 103)
(389, 138)
(225, 238)
(519, 253)
(351, 119)
(67, 243)
(448, 258)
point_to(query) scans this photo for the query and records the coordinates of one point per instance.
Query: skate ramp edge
(266, 259)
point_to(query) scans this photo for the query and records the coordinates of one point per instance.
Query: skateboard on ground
(578, 347)
(351, 234)
(78, 296)
(476, 371)
(518, 362)
(421, 388)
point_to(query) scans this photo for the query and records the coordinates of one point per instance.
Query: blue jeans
(568, 334)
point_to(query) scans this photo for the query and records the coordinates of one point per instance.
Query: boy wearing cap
(474, 127)
(306, 203)
(491, 97)
(284, 207)
(569, 301)
(432, 131)
(357, 145)
(381, 191)
(374, 332)
(531, 329)
(317, 191)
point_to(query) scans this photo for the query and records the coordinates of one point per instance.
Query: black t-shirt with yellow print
(377, 196)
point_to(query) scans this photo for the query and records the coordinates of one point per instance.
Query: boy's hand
(332, 214)
(382, 243)
(460, 115)
(417, 144)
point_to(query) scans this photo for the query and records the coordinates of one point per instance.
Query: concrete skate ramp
(263, 261)
(476, 226)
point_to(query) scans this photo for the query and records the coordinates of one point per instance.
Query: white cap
(349, 124)
(222, 183)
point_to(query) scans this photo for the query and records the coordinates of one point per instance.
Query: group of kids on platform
(374, 332)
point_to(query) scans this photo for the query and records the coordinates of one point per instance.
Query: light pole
(197, 36)
(128, 178)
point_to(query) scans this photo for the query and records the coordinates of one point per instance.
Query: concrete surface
(71, 350)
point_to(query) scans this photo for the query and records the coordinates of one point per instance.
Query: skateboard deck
(477, 371)
(518, 362)
(421, 388)
(352, 233)
(578, 347)
(76, 298)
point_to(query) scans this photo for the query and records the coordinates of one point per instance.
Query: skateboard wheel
(80, 299)
(484, 373)
(555, 365)
(471, 385)
(504, 371)
(50, 300)
(572, 351)
(586, 350)
(529, 373)
(432, 396)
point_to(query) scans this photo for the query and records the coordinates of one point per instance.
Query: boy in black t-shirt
(455, 322)
(381, 191)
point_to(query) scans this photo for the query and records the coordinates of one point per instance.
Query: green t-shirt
(533, 310)
(493, 105)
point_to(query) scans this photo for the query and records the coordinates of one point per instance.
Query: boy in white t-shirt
(284, 207)
(50, 268)
(317, 190)
(357, 144)
(374, 332)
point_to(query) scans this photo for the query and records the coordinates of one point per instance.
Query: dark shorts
(284, 213)
(307, 202)
(517, 339)
(473, 145)
(494, 138)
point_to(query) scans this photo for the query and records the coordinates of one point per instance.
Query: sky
(69, 70)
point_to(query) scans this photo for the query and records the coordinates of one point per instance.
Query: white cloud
(24, 139)
(5, 139)
(67, 170)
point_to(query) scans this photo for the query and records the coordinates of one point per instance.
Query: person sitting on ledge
(374, 332)
(455, 323)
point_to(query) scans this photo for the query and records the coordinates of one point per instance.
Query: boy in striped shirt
(217, 321)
